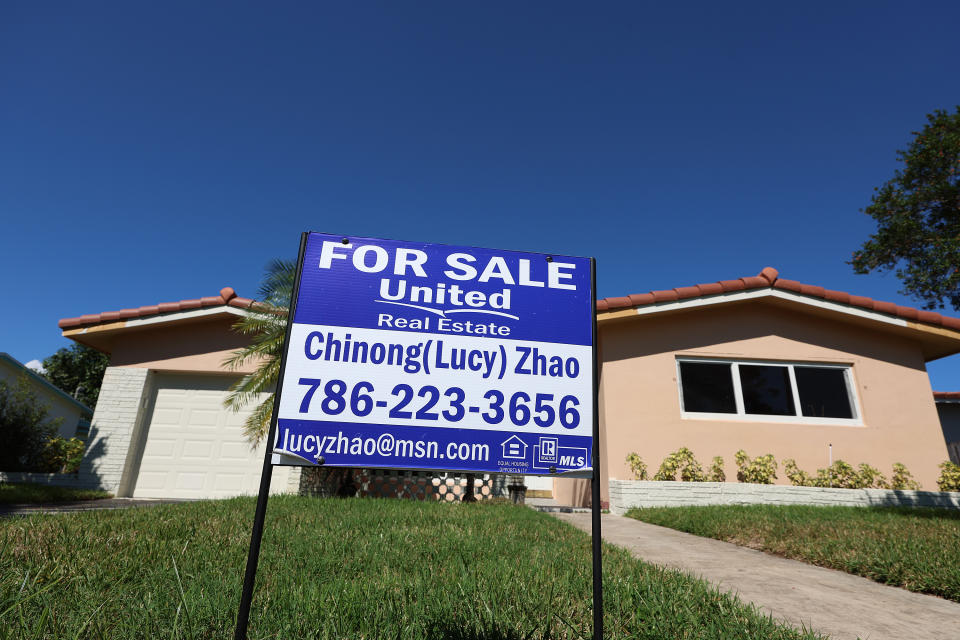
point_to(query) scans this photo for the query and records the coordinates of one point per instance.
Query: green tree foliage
(266, 325)
(77, 370)
(24, 427)
(918, 216)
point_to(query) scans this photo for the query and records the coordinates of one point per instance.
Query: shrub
(637, 466)
(949, 479)
(871, 478)
(716, 470)
(760, 470)
(902, 479)
(797, 476)
(839, 475)
(681, 460)
(24, 427)
(61, 455)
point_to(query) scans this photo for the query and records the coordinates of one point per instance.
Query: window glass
(823, 392)
(707, 387)
(766, 390)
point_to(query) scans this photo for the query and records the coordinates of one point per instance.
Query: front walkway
(838, 604)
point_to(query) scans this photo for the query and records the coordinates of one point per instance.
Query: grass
(914, 548)
(356, 568)
(24, 493)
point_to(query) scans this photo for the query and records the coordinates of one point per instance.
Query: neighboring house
(160, 429)
(767, 365)
(948, 407)
(74, 416)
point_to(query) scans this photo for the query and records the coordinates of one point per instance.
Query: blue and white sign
(410, 355)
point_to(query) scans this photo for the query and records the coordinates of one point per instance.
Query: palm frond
(266, 324)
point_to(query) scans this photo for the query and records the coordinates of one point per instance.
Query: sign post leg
(596, 507)
(597, 562)
(253, 555)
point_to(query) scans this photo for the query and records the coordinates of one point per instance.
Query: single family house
(760, 363)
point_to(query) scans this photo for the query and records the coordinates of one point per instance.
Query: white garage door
(195, 447)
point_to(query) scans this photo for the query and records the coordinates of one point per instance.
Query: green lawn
(17, 493)
(918, 549)
(355, 568)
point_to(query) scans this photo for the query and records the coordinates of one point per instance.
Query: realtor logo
(514, 447)
(548, 450)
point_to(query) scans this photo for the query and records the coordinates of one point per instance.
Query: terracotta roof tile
(770, 278)
(732, 285)
(755, 282)
(885, 307)
(227, 297)
(640, 298)
(812, 290)
(908, 312)
(946, 395)
(667, 295)
(837, 296)
(789, 285)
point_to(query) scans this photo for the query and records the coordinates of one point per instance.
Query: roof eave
(936, 342)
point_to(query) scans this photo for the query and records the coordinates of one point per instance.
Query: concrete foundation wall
(626, 494)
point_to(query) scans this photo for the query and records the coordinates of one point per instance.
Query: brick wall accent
(626, 494)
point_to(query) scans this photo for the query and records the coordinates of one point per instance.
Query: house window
(770, 391)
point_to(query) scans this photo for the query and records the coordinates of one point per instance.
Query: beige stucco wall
(640, 404)
(198, 346)
(57, 406)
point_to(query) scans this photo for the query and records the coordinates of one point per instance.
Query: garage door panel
(205, 417)
(167, 416)
(196, 481)
(162, 448)
(198, 450)
(152, 480)
(195, 447)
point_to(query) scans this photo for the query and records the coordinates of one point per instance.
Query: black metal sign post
(595, 506)
(253, 556)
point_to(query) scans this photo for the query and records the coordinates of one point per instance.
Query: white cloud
(36, 365)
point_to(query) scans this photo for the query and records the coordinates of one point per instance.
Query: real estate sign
(410, 355)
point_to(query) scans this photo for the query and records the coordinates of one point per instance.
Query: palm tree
(266, 324)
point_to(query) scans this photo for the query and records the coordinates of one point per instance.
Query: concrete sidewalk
(831, 602)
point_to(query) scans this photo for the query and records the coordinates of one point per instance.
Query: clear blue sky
(157, 152)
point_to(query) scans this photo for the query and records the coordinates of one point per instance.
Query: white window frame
(742, 416)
